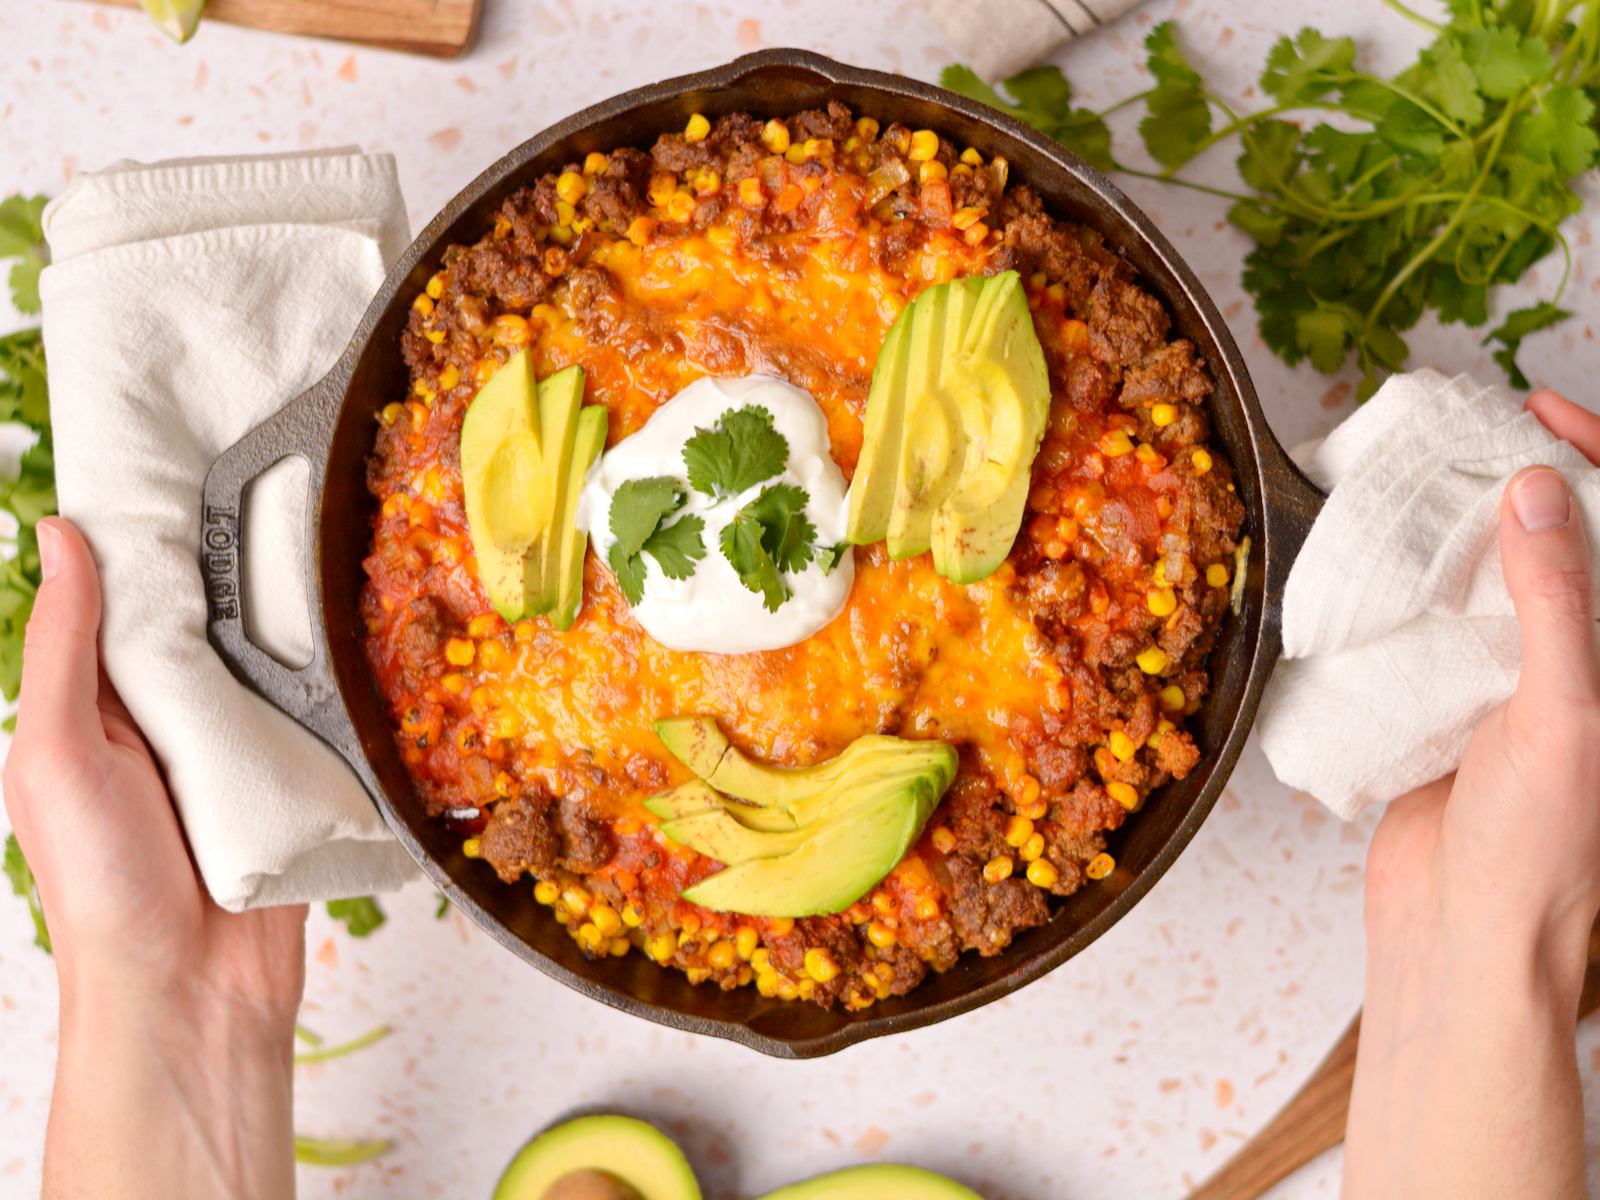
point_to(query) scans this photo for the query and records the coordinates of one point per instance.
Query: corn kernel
(619, 946)
(767, 985)
(631, 916)
(472, 848)
(924, 145)
(880, 935)
(1172, 698)
(1217, 575)
(449, 377)
(820, 965)
(1163, 727)
(696, 129)
(971, 157)
(722, 954)
(1042, 874)
(1153, 660)
(546, 892)
(391, 413)
(594, 163)
(787, 989)
(508, 329)
(867, 128)
(482, 625)
(943, 840)
(927, 908)
(1114, 443)
(1163, 415)
(1122, 746)
(1036, 810)
(1162, 601)
(453, 683)
(1150, 456)
(1032, 848)
(745, 941)
(782, 926)
(590, 938)
(775, 136)
(435, 336)
(1202, 461)
(761, 960)
(606, 919)
(707, 183)
(1100, 866)
(807, 988)
(1018, 830)
(577, 899)
(750, 193)
(640, 230)
(423, 304)
(796, 153)
(975, 234)
(681, 207)
(661, 947)
(788, 199)
(1028, 789)
(571, 187)
(459, 652)
(997, 868)
(966, 218)
(1124, 794)
(932, 171)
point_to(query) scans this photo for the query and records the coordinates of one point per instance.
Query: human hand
(1481, 890)
(176, 1016)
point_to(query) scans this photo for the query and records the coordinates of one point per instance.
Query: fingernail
(1541, 500)
(49, 549)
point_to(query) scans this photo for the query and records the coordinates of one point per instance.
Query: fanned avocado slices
(798, 841)
(959, 400)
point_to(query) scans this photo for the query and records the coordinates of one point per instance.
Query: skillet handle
(300, 429)
(1292, 504)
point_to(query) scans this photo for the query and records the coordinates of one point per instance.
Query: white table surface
(1135, 1069)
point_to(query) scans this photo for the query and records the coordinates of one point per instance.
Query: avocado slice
(871, 497)
(1008, 407)
(729, 835)
(637, 1155)
(588, 440)
(502, 476)
(957, 409)
(879, 1181)
(696, 742)
(696, 797)
(838, 863)
(560, 397)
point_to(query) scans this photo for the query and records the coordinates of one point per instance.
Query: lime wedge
(178, 19)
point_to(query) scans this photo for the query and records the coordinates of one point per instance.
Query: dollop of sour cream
(712, 610)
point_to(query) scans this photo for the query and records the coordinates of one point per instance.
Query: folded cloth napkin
(188, 301)
(1398, 631)
(997, 38)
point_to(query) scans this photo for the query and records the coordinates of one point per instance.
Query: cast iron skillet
(331, 427)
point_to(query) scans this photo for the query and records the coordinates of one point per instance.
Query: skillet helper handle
(1293, 503)
(300, 429)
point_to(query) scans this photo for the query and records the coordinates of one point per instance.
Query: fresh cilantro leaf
(1443, 76)
(1307, 66)
(638, 508)
(629, 570)
(1561, 130)
(22, 238)
(1321, 334)
(678, 547)
(829, 557)
(1518, 325)
(441, 908)
(637, 511)
(1504, 61)
(740, 451)
(1044, 101)
(21, 877)
(767, 537)
(360, 914)
(1179, 113)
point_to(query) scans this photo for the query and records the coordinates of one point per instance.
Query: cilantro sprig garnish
(768, 536)
(1421, 193)
(740, 451)
(638, 512)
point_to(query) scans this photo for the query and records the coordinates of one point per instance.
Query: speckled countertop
(1135, 1069)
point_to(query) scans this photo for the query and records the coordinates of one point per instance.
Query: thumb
(60, 655)
(1546, 561)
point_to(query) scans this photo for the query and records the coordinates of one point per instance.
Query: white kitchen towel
(186, 302)
(997, 38)
(1398, 631)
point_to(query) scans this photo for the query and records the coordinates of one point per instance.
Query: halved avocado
(503, 478)
(637, 1154)
(587, 442)
(835, 866)
(880, 1181)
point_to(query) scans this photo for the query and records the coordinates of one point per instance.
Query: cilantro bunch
(1373, 200)
(768, 536)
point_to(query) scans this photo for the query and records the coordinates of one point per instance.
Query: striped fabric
(997, 38)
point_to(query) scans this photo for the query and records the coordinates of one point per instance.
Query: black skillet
(331, 426)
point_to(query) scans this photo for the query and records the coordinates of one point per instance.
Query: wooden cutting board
(441, 28)
(1313, 1121)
